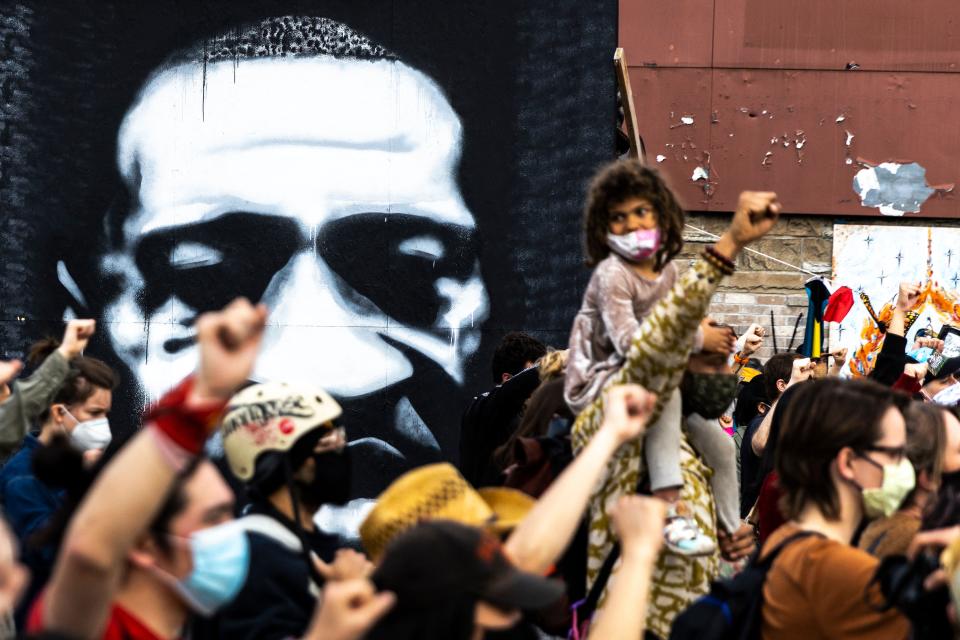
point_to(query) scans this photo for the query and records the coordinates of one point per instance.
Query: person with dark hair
(517, 351)
(454, 582)
(23, 401)
(492, 417)
(944, 508)
(841, 458)
(767, 514)
(282, 443)
(926, 448)
(776, 376)
(77, 413)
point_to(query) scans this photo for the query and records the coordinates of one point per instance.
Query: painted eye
(427, 247)
(187, 255)
(397, 267)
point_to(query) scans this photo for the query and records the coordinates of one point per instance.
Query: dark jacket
(489, 422)
(890, 361)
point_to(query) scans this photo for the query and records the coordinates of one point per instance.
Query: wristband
(719, 262)
(740, 359)
(186, 427)
(730, 264)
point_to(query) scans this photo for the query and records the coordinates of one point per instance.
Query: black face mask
(707, 394)
(331, 481)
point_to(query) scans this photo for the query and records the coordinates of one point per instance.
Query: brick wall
(761, 285)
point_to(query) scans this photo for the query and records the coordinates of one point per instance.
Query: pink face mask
(635, 246)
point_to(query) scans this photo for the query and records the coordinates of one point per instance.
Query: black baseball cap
(442, 559)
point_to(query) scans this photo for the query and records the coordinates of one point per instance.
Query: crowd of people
(653, 478)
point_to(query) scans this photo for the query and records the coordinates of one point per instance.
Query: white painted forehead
(381, 105)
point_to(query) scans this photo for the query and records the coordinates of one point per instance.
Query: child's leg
(661, 449)
(719, 453)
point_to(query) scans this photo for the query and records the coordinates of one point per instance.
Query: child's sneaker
(682, 534)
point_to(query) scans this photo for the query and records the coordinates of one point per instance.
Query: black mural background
(531, 81)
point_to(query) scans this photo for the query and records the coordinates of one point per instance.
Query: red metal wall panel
(668, 34)
(765, 112)
(880, 35)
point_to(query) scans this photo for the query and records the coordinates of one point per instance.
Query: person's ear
(762, 408)
(59, 412)
(844, 462)
(925, 482)
(144, 554)
(504, 377)
(781, 385)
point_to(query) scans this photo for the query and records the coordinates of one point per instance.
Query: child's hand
(757, 212)
(626, 410)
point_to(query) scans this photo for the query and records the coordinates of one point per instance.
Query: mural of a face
(324, 186)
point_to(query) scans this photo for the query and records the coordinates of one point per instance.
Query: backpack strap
(768, 559)
(589, 604)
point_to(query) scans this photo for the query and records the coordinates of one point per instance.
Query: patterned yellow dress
(656, 360)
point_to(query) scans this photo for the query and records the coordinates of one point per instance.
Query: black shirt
(489, 422)
(278, 598)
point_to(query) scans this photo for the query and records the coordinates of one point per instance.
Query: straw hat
(438, 491)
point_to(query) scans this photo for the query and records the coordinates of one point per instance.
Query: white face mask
(949, 396)
(90, 434)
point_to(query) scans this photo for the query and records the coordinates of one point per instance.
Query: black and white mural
(400, 182)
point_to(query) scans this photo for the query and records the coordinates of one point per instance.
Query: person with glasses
(841, 458)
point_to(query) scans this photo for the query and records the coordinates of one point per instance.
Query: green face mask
(898, 480)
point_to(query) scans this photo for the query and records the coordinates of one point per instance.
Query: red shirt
(121, 625)
(768, 506)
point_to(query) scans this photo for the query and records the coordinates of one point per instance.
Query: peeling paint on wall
(893, 188)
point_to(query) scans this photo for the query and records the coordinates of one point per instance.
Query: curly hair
(620, 181)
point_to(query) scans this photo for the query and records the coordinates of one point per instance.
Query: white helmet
(272, 416)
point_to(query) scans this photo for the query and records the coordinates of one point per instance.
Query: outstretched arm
(131, 489)
(639, 523)
(546, 531)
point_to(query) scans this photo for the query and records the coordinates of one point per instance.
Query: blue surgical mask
(221, 561)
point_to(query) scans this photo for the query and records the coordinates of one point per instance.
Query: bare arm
(540, 539)
(131, 489)
(639, 523)
(802, 370)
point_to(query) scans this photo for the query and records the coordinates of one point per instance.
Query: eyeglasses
(897, 453)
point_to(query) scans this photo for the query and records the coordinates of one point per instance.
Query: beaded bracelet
(723, 266)
(730, 264)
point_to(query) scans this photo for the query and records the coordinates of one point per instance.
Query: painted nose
(317, 336)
